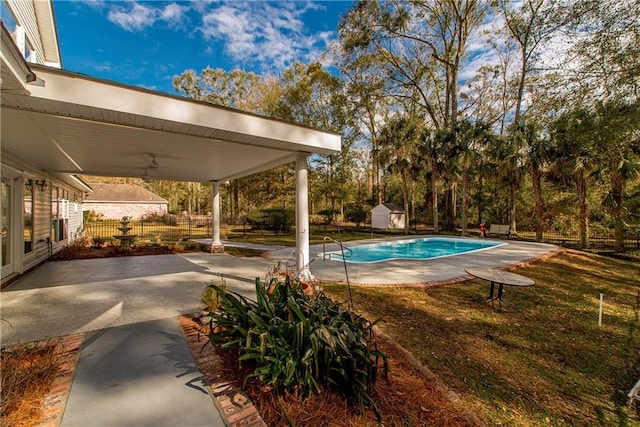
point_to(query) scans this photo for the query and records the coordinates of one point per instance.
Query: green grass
(546, 362)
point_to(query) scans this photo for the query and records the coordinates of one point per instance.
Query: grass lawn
(546, 362)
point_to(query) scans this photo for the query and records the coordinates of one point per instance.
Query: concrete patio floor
(65, 297)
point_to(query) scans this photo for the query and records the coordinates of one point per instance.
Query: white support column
(216, 245)
(302, 218)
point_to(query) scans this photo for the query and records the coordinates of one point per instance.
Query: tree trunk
(450, 199)
(536, 178)
(581, 185)
(512, 207)
(434, 195)
(480, 196)
(465, 196)
(617, 185)
(405, 197)
(236, 204)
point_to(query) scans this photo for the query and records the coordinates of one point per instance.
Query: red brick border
(68, 351)
(235, 407)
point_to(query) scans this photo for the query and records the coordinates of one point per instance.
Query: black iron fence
(174, 228)
(167, 229)
(602, 240)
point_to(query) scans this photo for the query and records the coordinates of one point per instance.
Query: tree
(314, 97)
(618, 142)
(397, 146)
(573, 155)
(248, 92)
(470, 138)
(421, 47)
(528, 27)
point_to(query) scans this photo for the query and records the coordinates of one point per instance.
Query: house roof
(122, 193)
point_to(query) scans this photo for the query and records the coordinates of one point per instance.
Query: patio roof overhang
(67, 123)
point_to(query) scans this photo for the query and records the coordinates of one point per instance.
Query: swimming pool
(422, 248)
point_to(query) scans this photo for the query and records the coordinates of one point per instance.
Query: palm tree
(573, 154)
(397, 142)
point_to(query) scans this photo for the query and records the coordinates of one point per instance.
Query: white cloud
(173, 14)
(137, 17)
(272, 35)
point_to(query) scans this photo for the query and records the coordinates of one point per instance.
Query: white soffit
(48, 34)
(76, 124)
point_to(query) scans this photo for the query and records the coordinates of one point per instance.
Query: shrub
(212, 294)
(277, 220)
(357, 215)
(299, 344)
(329, 215)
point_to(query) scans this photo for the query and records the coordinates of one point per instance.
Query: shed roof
(122, 193)
(393, 208)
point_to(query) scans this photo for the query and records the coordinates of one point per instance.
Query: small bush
(211, 295)
(357, 215)
(277, 220)
(299, 344)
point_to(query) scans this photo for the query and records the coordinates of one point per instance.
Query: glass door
(7, 235)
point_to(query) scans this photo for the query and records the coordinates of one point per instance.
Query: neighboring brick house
(118, 200)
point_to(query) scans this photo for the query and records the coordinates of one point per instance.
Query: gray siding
(75, 223)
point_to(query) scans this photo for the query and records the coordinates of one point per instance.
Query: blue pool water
(425, 248)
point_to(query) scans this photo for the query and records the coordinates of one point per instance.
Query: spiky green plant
(299, 344)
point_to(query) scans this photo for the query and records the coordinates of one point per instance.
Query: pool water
(424, 248)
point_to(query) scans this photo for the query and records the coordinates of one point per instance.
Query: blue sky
(146, 43)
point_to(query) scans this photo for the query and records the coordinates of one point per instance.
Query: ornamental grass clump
(299, 344)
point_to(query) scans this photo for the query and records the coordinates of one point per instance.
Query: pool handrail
(344, 262)
(340, 244)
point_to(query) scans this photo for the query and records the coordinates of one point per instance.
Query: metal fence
(596, 240)
(174, 228)
(168, 229)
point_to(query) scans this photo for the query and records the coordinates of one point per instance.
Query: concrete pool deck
(418, 272)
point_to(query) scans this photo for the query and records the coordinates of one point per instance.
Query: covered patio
(65, 124)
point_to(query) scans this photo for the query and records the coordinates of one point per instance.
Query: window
(17, 32)
(8, 19)
(28, 216)
(6, 224)
(57, 214)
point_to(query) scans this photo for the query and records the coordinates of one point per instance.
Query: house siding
(75, 224)
(25, 14)
(135, 210)
(42, 239)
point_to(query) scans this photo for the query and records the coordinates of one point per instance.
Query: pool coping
(420, 273)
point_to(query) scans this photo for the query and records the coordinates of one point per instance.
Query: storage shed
(118, 200)
(387, 215)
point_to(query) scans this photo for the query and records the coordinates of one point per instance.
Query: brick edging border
(234, 406)
(68, 350)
